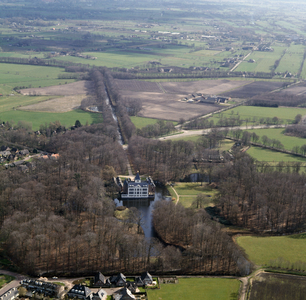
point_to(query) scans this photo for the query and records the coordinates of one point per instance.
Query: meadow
(277, 133)
(261, 250)
(264, 61)
(262, 154)
(249, 112)
(40, 118)
(196, 289)
(292, 60)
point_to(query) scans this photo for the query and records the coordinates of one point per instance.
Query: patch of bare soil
(75, 88)
(167, 106)
(202, 86)
(58, 105)
(253, 89)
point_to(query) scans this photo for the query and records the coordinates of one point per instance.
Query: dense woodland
(263, 202)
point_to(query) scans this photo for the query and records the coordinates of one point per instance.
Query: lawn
(141, 122)
(267, 155)
(38, 118)
(188, 192)
(196, 289)
(261, 250)
(5, 279)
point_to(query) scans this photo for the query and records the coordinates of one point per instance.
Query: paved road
(186, 133)
(12, 284)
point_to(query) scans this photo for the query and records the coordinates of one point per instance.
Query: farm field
(12, 75)
(141, 122)
(253, 89)
(38, 118)
(271, 156)
(278, 286)
(261, 250)
(277, 133)
(264, 61)
(197, 289)
(75, 88)
(292, 60)
(202, 86)
(161, 100)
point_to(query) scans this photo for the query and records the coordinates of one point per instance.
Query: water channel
(145, 206)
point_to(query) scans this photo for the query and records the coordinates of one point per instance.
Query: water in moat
(145, 206)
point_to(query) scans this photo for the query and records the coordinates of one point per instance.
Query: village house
(146, 278)
(42, 287)
(101, 281)
(124, 294)
(118, 280)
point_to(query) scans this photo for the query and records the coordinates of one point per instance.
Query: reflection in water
(145, 206)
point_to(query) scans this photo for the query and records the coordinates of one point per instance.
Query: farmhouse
(136, 189)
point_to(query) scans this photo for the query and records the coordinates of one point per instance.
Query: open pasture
(197, 289)
(264, 61)
(292, 60)
(38, 118)
(277, 133)
(285, 113)
(262, 250)
(267, 155)
(253, 89)
(278, 286)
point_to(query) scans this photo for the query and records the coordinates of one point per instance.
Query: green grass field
(267, 155)
(264, 61)
(292, 60)
(261, 250)
(38, 118)
(284, 113)
(197, 289)
(277, 133)
(141, 122)
(188, 192)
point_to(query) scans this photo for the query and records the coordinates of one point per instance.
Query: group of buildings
(209, 99)
(82, 292)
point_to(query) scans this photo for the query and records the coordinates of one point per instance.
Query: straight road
(187, 133)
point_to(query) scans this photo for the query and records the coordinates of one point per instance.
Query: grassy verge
(5, 279)
(196, 289)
